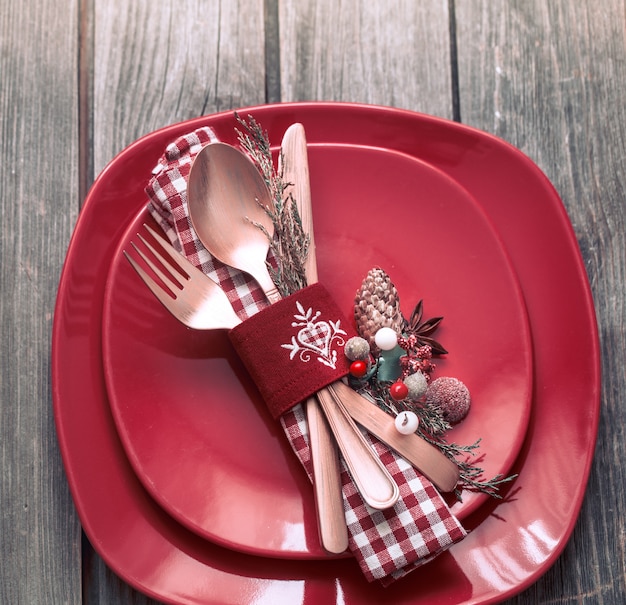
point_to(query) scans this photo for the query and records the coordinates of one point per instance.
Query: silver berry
(357, 348)
(417, 385)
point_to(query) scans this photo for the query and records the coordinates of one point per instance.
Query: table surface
(82, 79)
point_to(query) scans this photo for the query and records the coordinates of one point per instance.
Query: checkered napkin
(387, 544)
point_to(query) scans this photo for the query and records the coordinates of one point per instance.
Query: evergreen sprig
(289, 243)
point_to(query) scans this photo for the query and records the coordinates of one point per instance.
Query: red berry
(358, 368)
(398, 390)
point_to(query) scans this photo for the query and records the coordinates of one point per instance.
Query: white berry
(386, 339)
(407, 422)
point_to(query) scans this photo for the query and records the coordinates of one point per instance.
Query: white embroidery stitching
(315, 337)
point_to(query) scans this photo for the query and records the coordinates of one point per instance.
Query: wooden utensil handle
(431, 462)
(327, 481)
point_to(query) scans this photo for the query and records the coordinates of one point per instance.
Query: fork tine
(155, 288)
(172, 273)
(193, 297)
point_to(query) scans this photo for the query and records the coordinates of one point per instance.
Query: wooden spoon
(226, 196)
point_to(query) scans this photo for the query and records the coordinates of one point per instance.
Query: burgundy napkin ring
(294, 348)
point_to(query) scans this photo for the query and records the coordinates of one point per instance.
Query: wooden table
(81, 79)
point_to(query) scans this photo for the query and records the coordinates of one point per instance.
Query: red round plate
(512, 542)
(192, 423)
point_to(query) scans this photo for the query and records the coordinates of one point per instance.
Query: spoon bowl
(228, 202)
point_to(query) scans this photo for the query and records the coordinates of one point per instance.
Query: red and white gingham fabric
(386, 544)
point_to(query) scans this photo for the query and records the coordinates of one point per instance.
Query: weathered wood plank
(102, 586)
(549, 77)
(386, 53)
(39, 531)
(155, 65)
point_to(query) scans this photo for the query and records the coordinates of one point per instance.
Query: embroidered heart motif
(316, 336)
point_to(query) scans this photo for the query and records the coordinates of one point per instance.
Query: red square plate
(512, 542)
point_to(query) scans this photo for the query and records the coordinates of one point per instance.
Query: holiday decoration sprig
(392, 365)
(289, 244)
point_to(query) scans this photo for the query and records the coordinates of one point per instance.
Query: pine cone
(377, 305)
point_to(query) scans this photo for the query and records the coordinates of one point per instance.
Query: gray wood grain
(549, 77)
(386, 53)
(157, 67)
(39, 531)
